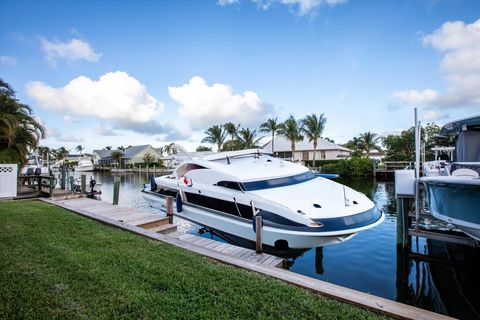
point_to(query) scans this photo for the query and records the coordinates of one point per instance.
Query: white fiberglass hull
(87, 168)
(270, 236)
(455, 200)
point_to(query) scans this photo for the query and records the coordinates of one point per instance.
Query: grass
(55, 264)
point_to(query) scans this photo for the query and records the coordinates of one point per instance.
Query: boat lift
(413, 218)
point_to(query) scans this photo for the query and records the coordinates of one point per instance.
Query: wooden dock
(157, 223)
(228, 249)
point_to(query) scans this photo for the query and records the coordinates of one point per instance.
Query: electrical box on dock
(404, 183)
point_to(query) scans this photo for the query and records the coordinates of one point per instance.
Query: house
(304, 149)
(103, 157)
(135, 154)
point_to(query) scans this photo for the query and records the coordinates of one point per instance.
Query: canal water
(431, 275)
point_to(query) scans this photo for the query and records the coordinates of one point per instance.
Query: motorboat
(84, 165)
(228, 190)
(455, 196)
(34, 167)
(438, 167)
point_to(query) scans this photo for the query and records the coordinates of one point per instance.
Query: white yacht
(454, 196)
(225, 191)
(84, 165)
(439, 166)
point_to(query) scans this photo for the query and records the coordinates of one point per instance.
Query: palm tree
(61, 153)
(312, 127)
(247, 139)
(232, 130)
(20, 132)
(216, 135)
(108, 148)
(117, 155)
(121, 148)
(291, 129)
(369, 141)
(271, 125)
(80, 148)
(44, 152)
(168, 148)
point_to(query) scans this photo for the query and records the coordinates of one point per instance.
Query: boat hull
(271, 236)
(88, 168)
(456, 203)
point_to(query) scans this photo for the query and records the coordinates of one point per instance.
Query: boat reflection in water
(438, 276)
(443, 278)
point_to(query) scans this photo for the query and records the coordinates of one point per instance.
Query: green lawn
(55, 264)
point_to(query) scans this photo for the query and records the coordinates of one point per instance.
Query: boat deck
(104, 212)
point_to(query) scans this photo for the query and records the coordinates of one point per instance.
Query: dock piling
(84, 183)
(64, 178)
(259, 226)
(116, 190)
(169, 207)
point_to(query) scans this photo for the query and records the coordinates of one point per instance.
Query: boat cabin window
(278, 182)
(230, 185)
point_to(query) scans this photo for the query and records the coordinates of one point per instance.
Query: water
(431, 275)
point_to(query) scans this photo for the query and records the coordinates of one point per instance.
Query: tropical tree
(271, 125)
(108, 148)
(20, 132)
(291, 129)
(246, 139)
(121, 148)
(168, 149)
(61, 153)
(312, 127)
(203, 148)
(369, 141)
(44, 152)
(117, 155)
(148, 158)
(355, 146)
(231, 129)
(80, 149)
(215, 135)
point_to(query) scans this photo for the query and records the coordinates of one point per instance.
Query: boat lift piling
(258, 231)
(169, 208)
(116, 190)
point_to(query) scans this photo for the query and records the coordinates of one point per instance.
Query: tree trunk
(293, 151)
(314, 151)
(273, 137)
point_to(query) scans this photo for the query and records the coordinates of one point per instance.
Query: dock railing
(391, 166)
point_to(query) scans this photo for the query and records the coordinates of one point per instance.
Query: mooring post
(259, 226)
(169, 207)
(52, 186)
(84, 183)
(116, 190)
(64, 178)
(72, 184)
(403, 205)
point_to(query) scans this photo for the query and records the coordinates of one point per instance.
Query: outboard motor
(153, 184)
(30, 171)
(92, 184)
(38, 171)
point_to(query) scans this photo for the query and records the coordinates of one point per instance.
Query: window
(279, 182)
(230, 185)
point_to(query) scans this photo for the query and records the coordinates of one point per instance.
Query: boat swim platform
(185, 241)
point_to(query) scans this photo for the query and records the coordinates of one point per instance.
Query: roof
(284, 145)
(103, 153)
(132, 151)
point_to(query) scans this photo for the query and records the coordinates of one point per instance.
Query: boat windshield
(278, 182)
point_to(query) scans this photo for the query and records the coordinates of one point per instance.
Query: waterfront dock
(128, 217)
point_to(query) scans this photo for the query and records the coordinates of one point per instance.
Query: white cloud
(68, 119)
(104, 130)
(9, 61)
(432, 115)
(304, 7)
(115, 96)
(205, 105)
(226, 2)
(459, 44)
(72, 50)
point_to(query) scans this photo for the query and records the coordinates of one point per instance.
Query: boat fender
(179, 203)
(153, 184)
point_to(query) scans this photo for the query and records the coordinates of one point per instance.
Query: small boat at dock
(454, 194)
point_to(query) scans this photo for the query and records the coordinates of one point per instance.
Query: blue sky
(101, 73)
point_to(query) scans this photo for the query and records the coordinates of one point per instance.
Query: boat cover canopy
(468, 147)
(456, 126)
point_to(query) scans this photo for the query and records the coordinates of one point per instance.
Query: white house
(134, 154)
(304, 149)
